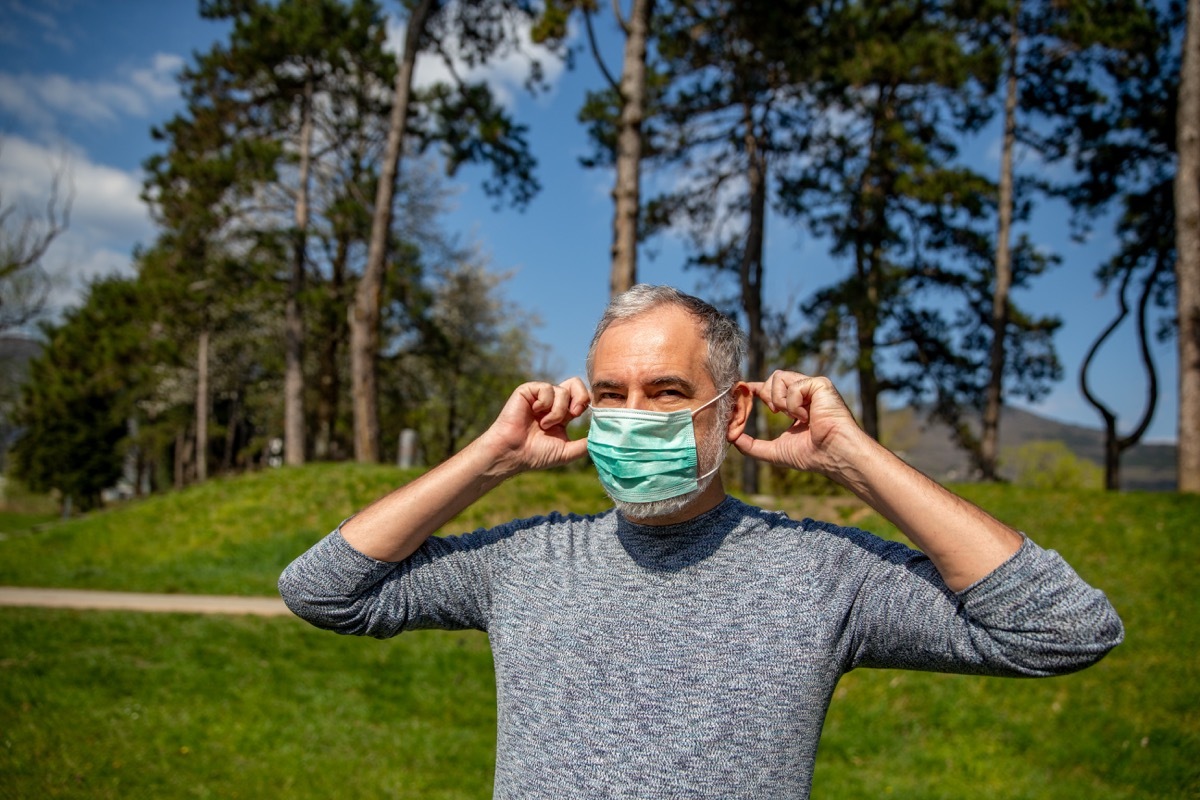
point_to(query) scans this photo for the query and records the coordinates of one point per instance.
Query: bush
(1051, 465)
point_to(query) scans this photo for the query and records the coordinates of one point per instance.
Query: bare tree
(25, 237)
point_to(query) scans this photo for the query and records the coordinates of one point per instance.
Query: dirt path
(137, 601)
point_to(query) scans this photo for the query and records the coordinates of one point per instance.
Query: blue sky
(84, 81)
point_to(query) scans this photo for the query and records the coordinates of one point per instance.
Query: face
(656, 362)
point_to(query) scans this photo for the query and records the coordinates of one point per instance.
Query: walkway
(138, 601)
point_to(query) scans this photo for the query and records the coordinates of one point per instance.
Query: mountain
(929, 447)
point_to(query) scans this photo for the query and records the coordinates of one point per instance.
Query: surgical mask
(643, 456)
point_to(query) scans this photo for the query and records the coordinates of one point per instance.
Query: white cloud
(107, 217)
(505, 75)
(39, 100)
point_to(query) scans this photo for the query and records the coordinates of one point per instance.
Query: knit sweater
(695, 660)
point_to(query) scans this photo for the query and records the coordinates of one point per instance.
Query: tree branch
(587, 18)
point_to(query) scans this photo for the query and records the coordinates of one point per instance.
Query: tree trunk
(751, 271)
(293, 381)
(364, 316)
(202, 404)
(626, 191)
(990, 438)
(329, 384)
(1187, 249)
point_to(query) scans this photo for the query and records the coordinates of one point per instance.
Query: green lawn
(104, 704)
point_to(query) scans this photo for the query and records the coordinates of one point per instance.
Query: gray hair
(726, 342)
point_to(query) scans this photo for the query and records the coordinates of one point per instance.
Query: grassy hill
(107, 704)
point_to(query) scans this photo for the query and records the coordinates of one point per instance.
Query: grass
(105, 704)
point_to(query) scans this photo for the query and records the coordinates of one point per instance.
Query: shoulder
(820, 539)
(523, 533)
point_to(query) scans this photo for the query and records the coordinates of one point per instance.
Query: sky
(83, 81)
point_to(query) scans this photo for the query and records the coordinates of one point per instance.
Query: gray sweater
(695, 660)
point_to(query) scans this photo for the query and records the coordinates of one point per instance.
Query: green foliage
(1051, 465)
(80, 393)
(129, 705)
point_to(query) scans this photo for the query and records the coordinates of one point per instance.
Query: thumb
(574, 449)
(747, 445)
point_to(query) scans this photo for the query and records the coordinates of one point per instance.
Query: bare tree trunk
(293, 380)
(751, 271)
(626, 191)
(202, 404)
(990, 438)
(364, 316)
(1114, 444)
(1187, 249)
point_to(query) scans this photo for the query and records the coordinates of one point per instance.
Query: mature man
(686, 644)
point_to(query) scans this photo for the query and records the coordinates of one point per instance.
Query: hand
(822, 422)
(531, 430)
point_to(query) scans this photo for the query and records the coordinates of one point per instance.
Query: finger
(755, 388)
(540, 396)
(757, 449)
(560, 409)
(579, 396)
(574, 449)
(781, 383)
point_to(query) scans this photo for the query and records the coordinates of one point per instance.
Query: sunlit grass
(110, 705)
(244, 707)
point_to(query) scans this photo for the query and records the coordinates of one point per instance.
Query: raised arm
(964, 543)
(529, 433)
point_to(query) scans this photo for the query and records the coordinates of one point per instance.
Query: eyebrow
(658, 383)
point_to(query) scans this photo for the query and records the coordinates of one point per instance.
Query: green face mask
(643, 456)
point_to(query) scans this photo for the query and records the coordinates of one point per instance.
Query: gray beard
(710, 455)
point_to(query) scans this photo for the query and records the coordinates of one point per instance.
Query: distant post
(408, 449)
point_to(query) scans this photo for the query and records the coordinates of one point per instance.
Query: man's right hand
(530, 433)
(531, 430)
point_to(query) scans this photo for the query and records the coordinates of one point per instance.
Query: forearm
(394, 527)
(964, 542)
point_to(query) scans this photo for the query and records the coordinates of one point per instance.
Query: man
(685, 644)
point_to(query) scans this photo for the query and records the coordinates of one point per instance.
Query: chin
(641, 512)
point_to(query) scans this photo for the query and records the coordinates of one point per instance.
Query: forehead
(665, 341)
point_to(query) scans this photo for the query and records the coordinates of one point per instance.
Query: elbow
(1067, 650)
(324, 608)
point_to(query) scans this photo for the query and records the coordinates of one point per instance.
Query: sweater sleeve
(445, 584)
(1032, 616)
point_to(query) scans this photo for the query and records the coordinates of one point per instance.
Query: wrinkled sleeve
(445, 584)
(1032, 616)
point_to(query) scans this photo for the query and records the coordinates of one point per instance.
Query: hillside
(930, 448)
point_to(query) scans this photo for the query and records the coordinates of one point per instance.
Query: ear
(743, 400)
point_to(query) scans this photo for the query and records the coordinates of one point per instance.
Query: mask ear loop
(725, 452)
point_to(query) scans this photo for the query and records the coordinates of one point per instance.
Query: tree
(24, 240)
(1122, 145)
(283, 62)
(81, 393)
(989, 443)
(732, 107)
(476, 347)
(1187, 249)
(465, 120)
(1123, 267)
(1048, 43)
(632, 100)
(879, 178)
